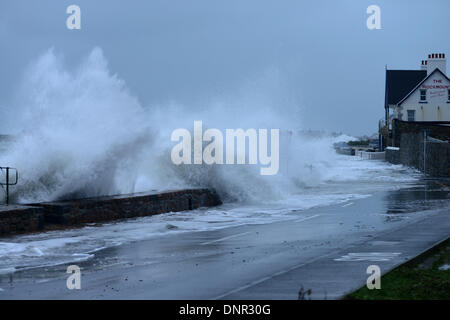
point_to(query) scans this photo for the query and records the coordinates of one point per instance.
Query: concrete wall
(411, 149)
(438, 130)
(53, 215)
(120, 207)
(409, 138)
(392, 155)
(19, 219)
(437, 162)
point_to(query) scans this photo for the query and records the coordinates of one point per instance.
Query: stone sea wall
(72, 213)
(431, 155)
(20, 219)
(392, 155)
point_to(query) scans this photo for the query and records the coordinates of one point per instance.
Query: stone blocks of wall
(437, 162)
(411, 153)
(83, 211)
(409, 137)
(411, 150)
(392, 156)
(91, 210)
(19, 219)
(439, 130)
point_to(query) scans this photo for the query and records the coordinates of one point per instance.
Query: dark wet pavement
(326, 249)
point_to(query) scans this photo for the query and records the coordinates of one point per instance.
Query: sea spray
(79, 130)
(82, 133)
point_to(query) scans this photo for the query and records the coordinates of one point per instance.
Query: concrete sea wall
(73, 213)
(20, 219)
(439, 130)
(437, 161)
(431, 155)
(392, 155)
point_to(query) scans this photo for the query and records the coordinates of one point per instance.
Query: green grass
(419, 279)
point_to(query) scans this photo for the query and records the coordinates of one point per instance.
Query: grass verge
(419, 279)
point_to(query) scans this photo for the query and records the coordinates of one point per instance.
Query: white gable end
(430, 101)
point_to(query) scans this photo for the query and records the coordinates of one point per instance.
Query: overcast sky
(191, 51)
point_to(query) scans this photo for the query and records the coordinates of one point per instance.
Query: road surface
(325, 249)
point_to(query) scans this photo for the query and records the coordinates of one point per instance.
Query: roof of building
(420, 83)
(399, 83)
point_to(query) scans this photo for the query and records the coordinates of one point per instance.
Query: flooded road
(346, 180)
(213, 262)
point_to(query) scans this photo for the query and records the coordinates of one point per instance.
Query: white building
(419, 95)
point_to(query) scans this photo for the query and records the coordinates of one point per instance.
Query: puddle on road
(425, 195)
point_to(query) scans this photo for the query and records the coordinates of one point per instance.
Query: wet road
(325, 249)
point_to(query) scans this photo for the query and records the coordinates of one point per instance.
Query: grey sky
(192, 51)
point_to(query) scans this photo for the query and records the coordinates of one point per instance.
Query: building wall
(437, 106)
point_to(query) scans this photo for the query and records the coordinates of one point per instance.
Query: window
(448, 91)
(411, 115)
(423, 94)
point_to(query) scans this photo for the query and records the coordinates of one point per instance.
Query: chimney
(423, 66)
(435, 60)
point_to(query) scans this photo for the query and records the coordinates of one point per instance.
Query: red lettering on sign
(424, 86)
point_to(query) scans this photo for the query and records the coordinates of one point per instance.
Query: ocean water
(353, 179)
(83, 133)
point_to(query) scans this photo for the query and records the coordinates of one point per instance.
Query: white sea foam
(59, 247)
(84, 134)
